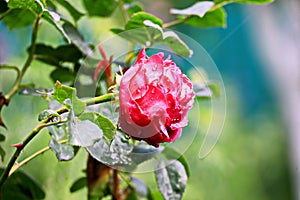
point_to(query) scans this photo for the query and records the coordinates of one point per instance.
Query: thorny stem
(44, 123)
(29, 59)
(25, 161)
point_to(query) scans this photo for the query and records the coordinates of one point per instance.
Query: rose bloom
(155, 98)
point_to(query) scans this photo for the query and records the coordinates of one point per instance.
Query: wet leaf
(83, 133)
(21, 186)
(171, 179)
(63, 152)
(172, 154)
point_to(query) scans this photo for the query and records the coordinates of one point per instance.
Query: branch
(29, 59)
(25, 161)
(22, 145)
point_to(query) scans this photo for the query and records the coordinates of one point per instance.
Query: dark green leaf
(56, 56)
(22, 187)
(62, 93)
(2, 153)
(83, 133)
(2, 137)
(155, 195)
(63, 152)
(198, 9)
(76, 15)
(63, 75)
(18, 17)
(76, 38)
(171, 179)
(215, 18)
(172, 154)
(3, 6)
(101, 8)
(127, 1)
(78, 184)
(207, 91)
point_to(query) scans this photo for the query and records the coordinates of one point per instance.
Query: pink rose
(155, 98)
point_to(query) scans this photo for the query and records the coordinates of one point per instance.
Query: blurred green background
(252, 158)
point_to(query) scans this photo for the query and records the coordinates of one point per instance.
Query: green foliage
(100, 8)
(198, 9)
(17, 18)
(62, 93)
(76, 15)
(21, 186)
(223, 2)
(26, 4)
(134, 8)
(78, 184)
(171, 179)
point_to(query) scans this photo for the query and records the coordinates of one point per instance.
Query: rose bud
(155, 98)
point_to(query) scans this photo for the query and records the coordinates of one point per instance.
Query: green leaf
(83, 133)
(101, 8)
(57, 132)
(2, 153)
(21, 186)
(18, 17)
(224, 2)
(207, 91)
(62, 93)
(146, 29)
(2, 137)
(171, 179)
(105, 124)
(63, 75)
(137, 20)
(115, 154)
(57, 56)
(3, 6)
(76, 15)
(214, 18)
(133, 8)
(76, 38)
(63, 152)
(78, 184)
(172, 154)
(26, 4)
(198, 9)
(142, 153)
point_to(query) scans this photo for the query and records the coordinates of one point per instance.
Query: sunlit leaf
(26, 4)
(171, 179)
(214, 18)
(63, 152)
(224, 2)
(198, 9)
(62, 93)
(21, 186)
(134, 8)
(101, 8)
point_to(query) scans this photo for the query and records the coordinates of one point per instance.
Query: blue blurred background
(256, 156)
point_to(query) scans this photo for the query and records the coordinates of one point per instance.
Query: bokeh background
(257, 54)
